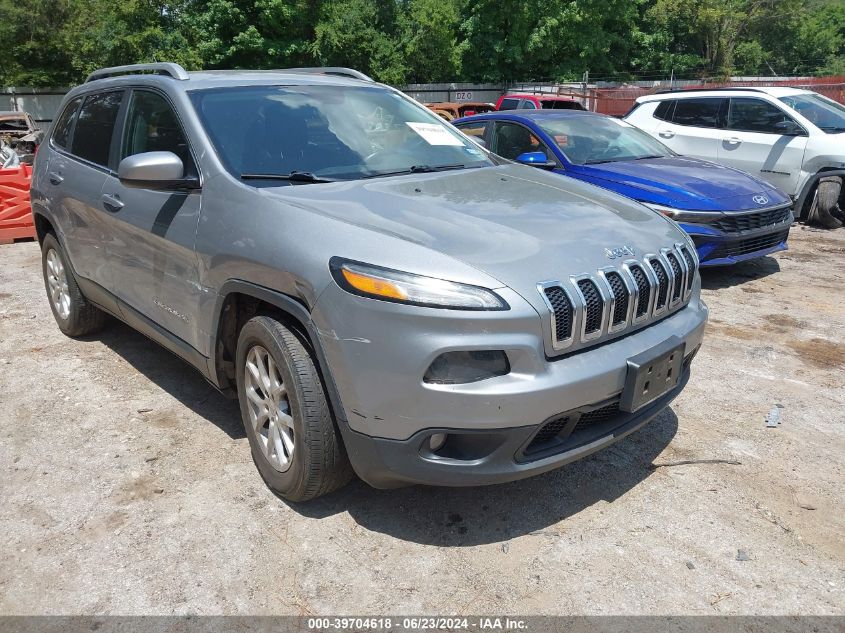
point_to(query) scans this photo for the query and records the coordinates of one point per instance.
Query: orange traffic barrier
(15, 213)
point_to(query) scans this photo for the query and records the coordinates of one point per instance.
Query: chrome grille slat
(589, 307)
(690, 267)
(593, 306)
(644, 289)
(677, 274)
(662, 296)
(620, 298)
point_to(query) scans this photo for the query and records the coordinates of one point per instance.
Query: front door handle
(667, 134)
(55, 178)
(111, 203)
(732, 141)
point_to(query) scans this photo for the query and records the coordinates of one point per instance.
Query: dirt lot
(127, 485)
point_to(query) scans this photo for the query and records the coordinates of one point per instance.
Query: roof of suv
(531, 115)
(541, 97)
(178, 76)
(772, 91)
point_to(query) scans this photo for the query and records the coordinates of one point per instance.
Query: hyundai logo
(761, 199)
(616, 253)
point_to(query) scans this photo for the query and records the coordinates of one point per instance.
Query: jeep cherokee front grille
(589, 308)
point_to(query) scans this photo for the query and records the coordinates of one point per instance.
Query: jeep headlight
(387, 284)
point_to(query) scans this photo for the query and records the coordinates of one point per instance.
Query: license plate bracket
(652, 374)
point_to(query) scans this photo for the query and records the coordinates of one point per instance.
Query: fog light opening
(454, 368)
(436, 442)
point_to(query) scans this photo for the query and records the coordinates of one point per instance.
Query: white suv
(793, 138)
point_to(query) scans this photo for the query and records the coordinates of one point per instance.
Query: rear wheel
(286, 414)
(74, 314)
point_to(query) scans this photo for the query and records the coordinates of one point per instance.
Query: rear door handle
(55, 178)
(733, 140)
(667, 134)
(111, 203)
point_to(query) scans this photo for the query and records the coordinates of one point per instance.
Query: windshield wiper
(416, 169)
(832, 128)
(598, 161)
(651, 156)
(294, 176)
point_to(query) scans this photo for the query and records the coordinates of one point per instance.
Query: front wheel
(74, 314)
(286, 414)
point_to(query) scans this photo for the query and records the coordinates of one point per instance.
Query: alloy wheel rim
(269, 408)
(57, 284)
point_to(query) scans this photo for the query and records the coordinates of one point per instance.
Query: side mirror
(536, 159)
(789, 128)
(155, 170)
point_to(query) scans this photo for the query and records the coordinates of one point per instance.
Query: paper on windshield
(434, 134)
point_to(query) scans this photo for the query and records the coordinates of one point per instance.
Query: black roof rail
(726, 89)
(160, 68)
(330, 70)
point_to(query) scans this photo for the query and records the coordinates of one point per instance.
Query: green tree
(251, 33)
(429, 39)
(545, 39)
(128, 32)
(360, 34)
(56, 42)
(715, 31)
(33, 50)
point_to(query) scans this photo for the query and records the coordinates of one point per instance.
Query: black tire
(828, 200)
(83, 317)
(318, 464)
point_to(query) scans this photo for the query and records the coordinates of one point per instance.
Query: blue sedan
(730, 215)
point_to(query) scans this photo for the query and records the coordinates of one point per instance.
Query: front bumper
(721, 248)
(378, 353)
(487, 457)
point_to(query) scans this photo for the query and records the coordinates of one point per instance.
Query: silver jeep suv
(382, 294)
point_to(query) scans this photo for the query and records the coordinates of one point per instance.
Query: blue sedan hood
(682, 183)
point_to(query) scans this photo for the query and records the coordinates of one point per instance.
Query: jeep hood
(517, 224)
(682, 183)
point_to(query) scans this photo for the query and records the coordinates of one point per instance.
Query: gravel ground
(127, 485)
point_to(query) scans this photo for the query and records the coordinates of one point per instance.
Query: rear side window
(476, 129)
(509, 104)
(755, 115)
(61, 133)
(94, 126)
(663, 111)
(697, 112)
(555, 104)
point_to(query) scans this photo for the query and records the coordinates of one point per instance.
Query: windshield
(588, 140)
(824, 113)
(13, 125)
(330, 132)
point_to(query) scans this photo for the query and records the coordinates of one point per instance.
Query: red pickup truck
(537, 102)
